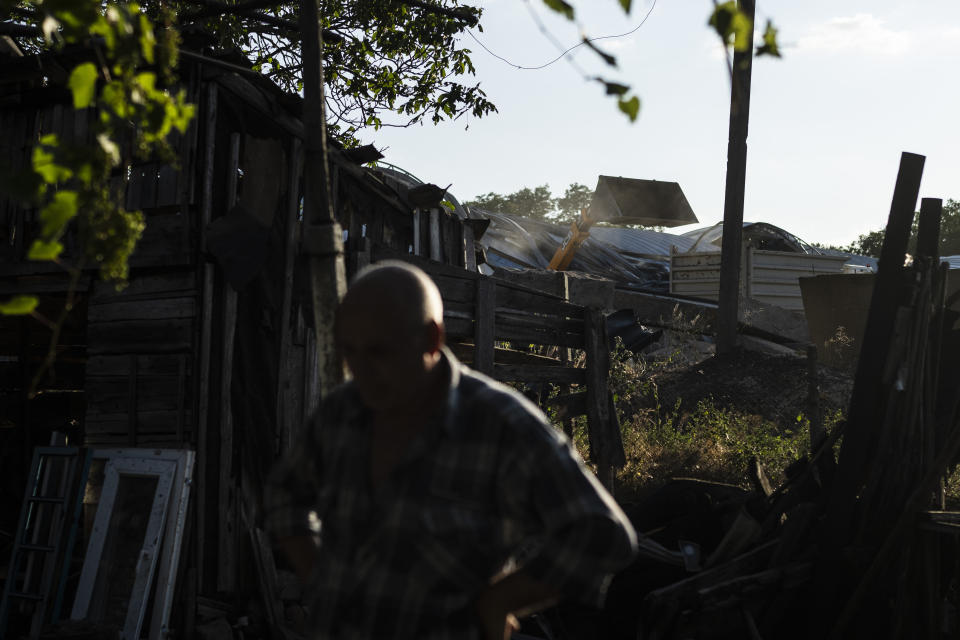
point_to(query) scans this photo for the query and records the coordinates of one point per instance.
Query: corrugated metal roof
(641, 242)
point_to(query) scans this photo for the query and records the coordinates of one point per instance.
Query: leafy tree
(386, 63)
(576, 197)
(534, 203)
(870, 243)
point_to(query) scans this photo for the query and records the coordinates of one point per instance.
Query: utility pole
(321, 240)
(731, 248)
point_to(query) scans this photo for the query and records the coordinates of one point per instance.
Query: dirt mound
(774, 387)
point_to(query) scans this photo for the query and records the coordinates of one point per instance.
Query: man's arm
(582, 536)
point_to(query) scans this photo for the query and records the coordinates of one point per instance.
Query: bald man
(428, 501)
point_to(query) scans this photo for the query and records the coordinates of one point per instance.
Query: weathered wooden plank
(140, 336)
(517, 332)
(168, 285)
(561, 325)
(606, 446)
(380, 252)
(524, 373)
(153, 421)
(132, 402)
(458, 327)
(163, 309)
(464, 351)
(107, 366)
(162, 242)
(205, 453)
(168, 186)
(455, 289)
(229, 530)
(860, 438)
(483, 326)
(436, 250)
(115, 395)
(284, 425)
(536, 302)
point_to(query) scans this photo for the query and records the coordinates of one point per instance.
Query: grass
(709, 442)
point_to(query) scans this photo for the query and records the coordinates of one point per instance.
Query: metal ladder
(52, 505)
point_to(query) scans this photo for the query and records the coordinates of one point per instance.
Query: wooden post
(859, 438)
(817, 433)
(132, 402)
(284, 416)
(731, 248)
(484, 318)
(322, 240)
(228, 530)
(598, 407)
(928, 228)
(205, 451)
(436, 252)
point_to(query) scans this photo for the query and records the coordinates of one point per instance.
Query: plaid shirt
(489, 483)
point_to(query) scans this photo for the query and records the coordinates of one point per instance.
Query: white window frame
(160, 551)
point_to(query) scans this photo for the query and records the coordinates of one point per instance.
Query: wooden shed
(210, 346)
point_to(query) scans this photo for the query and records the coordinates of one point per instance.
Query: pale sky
(859, 82)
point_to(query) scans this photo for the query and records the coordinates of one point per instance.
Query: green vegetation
(708, 442)
(538, 203)
(870, 243)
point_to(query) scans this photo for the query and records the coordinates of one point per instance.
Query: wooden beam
(204, 450)
(228, 517)
(734, 193)
(322, 239)
(284, 416)
(483, 325)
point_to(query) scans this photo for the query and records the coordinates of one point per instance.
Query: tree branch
(457, 13)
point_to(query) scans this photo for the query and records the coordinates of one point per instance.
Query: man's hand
(495, 623)
(516, 594)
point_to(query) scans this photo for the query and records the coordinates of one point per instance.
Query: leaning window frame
(160, 552)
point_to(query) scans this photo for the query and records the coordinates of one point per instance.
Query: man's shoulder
(486, 392)
(493, 401)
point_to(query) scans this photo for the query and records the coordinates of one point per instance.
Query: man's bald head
(389, 328)
(399, 292)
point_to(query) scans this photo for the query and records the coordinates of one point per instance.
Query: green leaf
(769, 46)
(147, 40)
(614, 88)
(42, 250)
(560, 7)
(732, 25)
(83, 84)
(44, 164)
(19, 306)
(626, 5)
(630, 107)
(58, 213)
(609, 59)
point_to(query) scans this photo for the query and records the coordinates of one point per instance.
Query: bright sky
(859, 82)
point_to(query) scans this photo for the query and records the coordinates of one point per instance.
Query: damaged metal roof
(631, 256)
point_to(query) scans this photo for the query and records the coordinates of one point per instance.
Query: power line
(565, 52)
